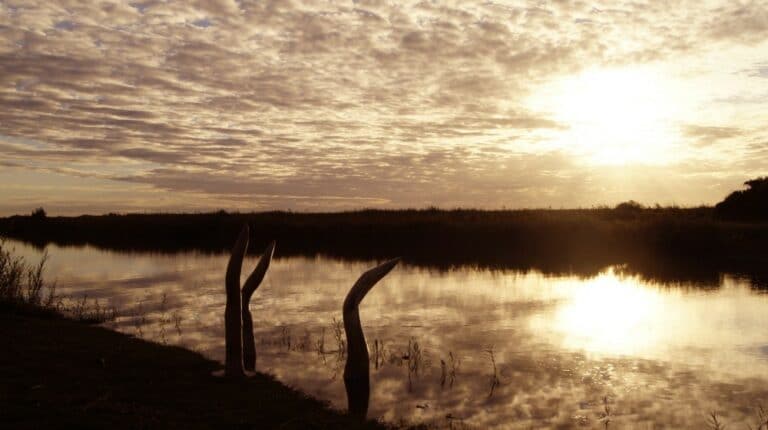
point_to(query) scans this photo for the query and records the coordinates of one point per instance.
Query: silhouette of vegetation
(746, 205)
(666, 244)
(22, 284)
(23, 290)
(629, 209)
(39, 214)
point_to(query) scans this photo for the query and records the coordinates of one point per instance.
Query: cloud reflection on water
(661, 354)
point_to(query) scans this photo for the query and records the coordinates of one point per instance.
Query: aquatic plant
(714, 423)
(356, 369)
(494, 378)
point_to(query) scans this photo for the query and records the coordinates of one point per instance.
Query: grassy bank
(57, 373)
(666, 244)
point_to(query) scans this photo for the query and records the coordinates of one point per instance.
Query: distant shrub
(629, 210)
(39, 213)
(749, 204)
(629, 206)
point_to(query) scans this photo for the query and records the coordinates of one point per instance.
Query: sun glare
(615, 116)
(611, 315)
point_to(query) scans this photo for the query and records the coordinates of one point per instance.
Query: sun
(615, 116)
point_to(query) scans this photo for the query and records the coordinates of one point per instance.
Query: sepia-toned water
(470, 347)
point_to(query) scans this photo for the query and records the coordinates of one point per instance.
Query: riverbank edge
(59, 373)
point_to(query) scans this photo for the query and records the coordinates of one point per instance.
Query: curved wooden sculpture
(250, 286)
(233, 318)
(238, 322)
(356, 373)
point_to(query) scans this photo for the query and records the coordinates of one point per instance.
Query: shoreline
(659, 244)
(59, 373)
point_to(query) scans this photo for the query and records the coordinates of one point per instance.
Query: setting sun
(616, 116)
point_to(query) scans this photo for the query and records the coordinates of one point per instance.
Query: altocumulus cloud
(321, 105)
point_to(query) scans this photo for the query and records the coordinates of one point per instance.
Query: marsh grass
(581, 241)
(24, 290)
(22, 283)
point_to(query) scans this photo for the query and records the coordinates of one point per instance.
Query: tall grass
(22, 284)
(24, 290)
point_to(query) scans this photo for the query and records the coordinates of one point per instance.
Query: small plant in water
(164, 320)
(494, 379)
(448, 370)
(606, 415)
(320, 344)
(378, 353)
(139, 318)
(177, 319)
(338, 335)
(714, 422)
(285, 337)
(762, 419)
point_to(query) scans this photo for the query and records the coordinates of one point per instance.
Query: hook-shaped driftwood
(356, 372)
(250, 286)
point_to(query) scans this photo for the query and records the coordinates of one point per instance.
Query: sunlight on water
(611, 315)
(561, 344)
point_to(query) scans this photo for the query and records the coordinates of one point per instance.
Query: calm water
(483, 348)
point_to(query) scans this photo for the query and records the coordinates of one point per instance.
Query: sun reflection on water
(610, 314)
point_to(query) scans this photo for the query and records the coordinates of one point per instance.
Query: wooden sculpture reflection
(238, 323)
(356, 372)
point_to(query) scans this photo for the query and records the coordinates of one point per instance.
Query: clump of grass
(22, 284)
(23, 289)
(90, 313)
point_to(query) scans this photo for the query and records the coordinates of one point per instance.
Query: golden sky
(329, 105)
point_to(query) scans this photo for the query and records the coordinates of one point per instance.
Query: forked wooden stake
(250, 286)
(233, 318)
(240, 348)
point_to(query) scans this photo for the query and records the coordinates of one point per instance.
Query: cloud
(351, 99)
(707, 135)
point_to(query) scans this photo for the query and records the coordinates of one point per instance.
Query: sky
(118, 106)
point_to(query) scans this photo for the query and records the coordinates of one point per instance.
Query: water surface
(466, 346)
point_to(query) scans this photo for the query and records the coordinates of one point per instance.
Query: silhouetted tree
(629, 206)
(39, 213)
(749, 204)
(628, 210)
